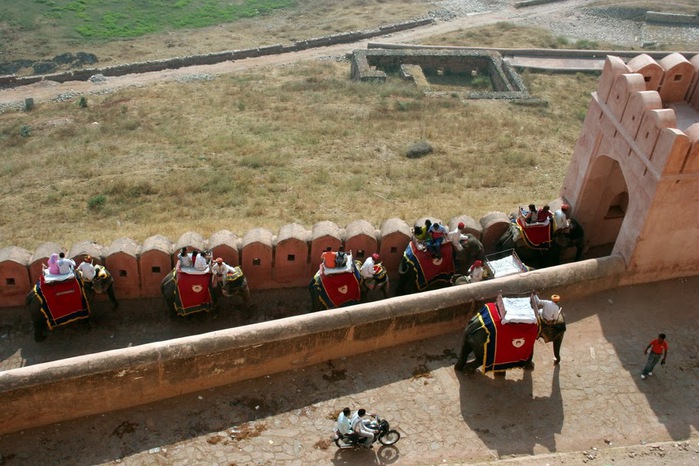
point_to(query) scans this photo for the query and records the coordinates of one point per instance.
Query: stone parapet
(287, 259)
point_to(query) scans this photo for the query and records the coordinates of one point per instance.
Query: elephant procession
(435, 257)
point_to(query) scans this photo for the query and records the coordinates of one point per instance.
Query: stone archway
(604, 203)
(633, 181)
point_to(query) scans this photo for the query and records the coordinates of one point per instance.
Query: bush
(96, 202)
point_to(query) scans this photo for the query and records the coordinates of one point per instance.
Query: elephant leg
(112, 297)
(462, 364)
(557, 348)
(529, 365)
(40, 328)
(363, 293)
(384, 289)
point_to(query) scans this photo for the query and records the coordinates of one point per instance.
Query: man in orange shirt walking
(658, 348)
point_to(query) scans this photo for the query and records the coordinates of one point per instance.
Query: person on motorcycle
(360, 426)
(343, 422)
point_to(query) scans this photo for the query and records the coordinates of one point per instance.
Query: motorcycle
(386, 435)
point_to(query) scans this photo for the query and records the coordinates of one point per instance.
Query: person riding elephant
(543, 255)
(186, 293)
(50, 304)
(471, 251)
(374, 276)
(487, 338)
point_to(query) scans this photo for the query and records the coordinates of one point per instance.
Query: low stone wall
(287, 259)
(526, 3)
(670, 18)
(371, 65)
(91, 384)
(84, 74)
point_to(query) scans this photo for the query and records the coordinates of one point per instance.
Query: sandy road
(47, 90)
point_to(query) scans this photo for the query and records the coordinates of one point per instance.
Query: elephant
(420, 271)
(543, 255)
(329, 291)
(480, 340)
(200, 295)
(50, 307)
(378, 282)
(234, 283)
(471, 251)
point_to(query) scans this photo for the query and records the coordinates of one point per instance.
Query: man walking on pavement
(658, 348)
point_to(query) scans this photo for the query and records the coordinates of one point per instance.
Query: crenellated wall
(283, 260)
(633, 181)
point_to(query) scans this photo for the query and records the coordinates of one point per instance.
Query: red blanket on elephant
(340, 289)
(508, 345)
(430, 270)
(62, 302)
(536, 236)
(193, 293)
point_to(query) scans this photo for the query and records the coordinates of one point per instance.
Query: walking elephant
(498, 346)
(234, 283)
(540, 254)
(187, 293)
(53, 303)
(377, 282)
(333, 290)
(421, 271)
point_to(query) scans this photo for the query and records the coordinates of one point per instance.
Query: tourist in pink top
(53, 264)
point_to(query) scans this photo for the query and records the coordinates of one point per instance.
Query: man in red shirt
(658, 348)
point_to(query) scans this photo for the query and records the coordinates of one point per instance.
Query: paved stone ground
(588, 407)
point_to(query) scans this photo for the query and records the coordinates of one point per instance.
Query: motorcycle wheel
(390, 437)
(341, 444)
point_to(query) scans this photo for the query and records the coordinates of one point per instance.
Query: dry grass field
(264, 148)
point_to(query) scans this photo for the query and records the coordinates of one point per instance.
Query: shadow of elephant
(506, 415)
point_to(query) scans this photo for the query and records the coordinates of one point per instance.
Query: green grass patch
(115, 19)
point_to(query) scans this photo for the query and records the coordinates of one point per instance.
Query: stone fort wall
(633, 180)
(286, 259)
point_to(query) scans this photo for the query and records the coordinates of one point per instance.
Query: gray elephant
(50, 307)
(485, 336)
(471, 250)
(234, 283)
(187, 294)
(543, 255)
(330, 291)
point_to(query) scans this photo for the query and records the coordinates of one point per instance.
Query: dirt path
(47, 90)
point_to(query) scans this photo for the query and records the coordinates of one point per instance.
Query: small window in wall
(155, 269)
(394, 249)
(678, 77)
(646, 79)
(360, 253)
(257, 262)
(10, 281)
(290, 257)
(618, 206)
(122, 273)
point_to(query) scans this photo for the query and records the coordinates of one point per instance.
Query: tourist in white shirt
(367, 269)
(87, 268)
(219, 271)
(199, 261)
(360, 427)
(65, 265)
(560, 218)
(548, 310)
(456, 235)
(343, 422)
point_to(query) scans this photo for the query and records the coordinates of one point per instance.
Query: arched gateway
(634, 176)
